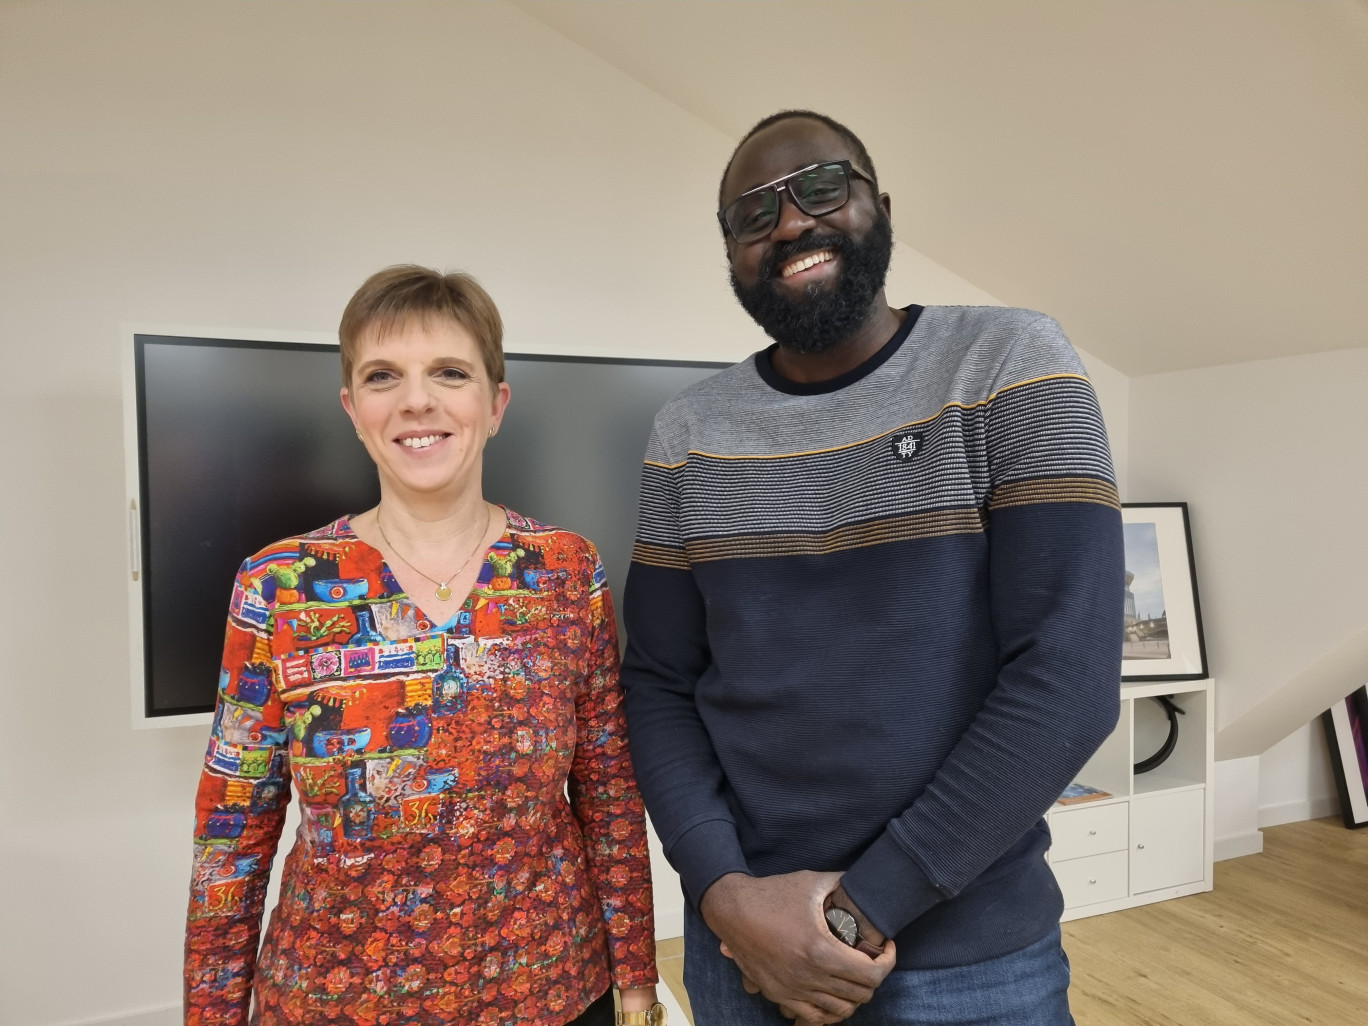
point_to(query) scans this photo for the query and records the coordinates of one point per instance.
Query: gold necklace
(443, 592)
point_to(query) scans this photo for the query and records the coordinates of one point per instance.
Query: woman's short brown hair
(391, 298)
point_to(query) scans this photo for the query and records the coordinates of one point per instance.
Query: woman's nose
(417, 393)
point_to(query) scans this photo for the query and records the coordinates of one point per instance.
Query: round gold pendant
(443, 592)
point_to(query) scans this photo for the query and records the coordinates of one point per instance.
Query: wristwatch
(653, 1016)
(843, 926)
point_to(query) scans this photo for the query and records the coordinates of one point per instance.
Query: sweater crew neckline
(764, 366)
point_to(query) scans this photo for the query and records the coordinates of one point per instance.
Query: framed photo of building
(1346, 730)
(1163, 626)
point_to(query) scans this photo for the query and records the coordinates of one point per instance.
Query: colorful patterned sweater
(874, 625)
(440, 874)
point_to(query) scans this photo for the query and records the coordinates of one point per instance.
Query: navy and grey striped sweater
(874, 625)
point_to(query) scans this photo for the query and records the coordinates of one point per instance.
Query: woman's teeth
(421, 442)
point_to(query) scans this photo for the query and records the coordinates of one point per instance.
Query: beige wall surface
(1270, 455)
(244, 166)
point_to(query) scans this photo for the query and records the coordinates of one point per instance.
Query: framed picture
(1163, 639)
(1346, 724)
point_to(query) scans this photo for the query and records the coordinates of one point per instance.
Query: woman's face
(422, 402)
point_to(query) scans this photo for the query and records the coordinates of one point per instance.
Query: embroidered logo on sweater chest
(908, 445)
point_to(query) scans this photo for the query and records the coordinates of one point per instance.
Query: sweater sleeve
(1056, 586)
(606, 802)
(667, 652)
(240, 808)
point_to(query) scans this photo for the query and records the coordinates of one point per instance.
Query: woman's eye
(453, 376)
(379, 377)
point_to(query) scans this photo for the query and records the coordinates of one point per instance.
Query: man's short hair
(391, 299)
(862, 158)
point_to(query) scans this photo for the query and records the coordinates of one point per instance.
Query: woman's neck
(426, 524)
(431, 520)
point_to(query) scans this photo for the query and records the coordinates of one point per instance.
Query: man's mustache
(808, 242)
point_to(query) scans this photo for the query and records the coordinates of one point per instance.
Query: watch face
(843, 925)
(655, 1015)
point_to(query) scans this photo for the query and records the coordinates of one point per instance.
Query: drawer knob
(1093, 881)
(1092, 833)
(1141, 847)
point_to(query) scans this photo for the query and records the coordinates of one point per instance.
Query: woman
(430, 675)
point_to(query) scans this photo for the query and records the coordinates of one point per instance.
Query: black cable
(1170, 742)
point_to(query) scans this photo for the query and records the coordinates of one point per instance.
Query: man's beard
(823, 316)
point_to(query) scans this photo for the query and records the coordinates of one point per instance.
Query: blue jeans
(1026, 988)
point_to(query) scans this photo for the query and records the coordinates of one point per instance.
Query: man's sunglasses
(815, 190)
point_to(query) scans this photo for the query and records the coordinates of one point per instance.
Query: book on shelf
(1076, 794)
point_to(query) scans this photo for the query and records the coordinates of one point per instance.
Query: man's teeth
(421, 442)
(806, 262)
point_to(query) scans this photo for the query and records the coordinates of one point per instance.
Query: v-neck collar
(345, 532)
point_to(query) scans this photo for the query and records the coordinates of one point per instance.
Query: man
(874, 618)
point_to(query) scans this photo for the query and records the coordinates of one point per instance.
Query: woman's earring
(491, 432)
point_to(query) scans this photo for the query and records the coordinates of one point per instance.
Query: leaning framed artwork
(1346, 731)
(1163, 625)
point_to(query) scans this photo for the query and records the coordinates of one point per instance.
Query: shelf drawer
(1093, 879)
(1078, 833)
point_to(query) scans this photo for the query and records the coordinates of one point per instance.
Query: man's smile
(806, 262)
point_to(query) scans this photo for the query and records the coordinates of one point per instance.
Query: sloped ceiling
(1181, 184)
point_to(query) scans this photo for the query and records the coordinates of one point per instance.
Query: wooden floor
(1283, 939)
(670, 963)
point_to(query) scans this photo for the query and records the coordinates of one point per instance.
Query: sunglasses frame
(780, 185)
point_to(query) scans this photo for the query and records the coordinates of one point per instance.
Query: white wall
(1270, 455)
(246, 165)
(1235, 785)
(1295, 779)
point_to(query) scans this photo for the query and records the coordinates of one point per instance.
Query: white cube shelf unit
(1152, 839)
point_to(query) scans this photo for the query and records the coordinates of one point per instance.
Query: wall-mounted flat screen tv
(234, 442)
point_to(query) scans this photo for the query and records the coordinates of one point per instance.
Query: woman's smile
(423, 441)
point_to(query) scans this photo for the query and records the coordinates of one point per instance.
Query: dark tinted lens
(753, 215)
(820, 190)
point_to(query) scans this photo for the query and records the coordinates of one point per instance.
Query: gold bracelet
(653, 1016)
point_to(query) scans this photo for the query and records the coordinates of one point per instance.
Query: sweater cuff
(705, 853)
(889, 886)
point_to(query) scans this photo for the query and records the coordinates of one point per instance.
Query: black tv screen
(242, 442)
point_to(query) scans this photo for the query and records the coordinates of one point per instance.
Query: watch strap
(861, 944)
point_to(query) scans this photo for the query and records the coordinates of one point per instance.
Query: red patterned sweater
(440, 874)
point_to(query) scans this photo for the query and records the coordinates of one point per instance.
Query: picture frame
(1346, 732)
(1163, 630)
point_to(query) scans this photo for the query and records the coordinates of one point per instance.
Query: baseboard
(1237, 845)
(165, 1015)
(1296, 812)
